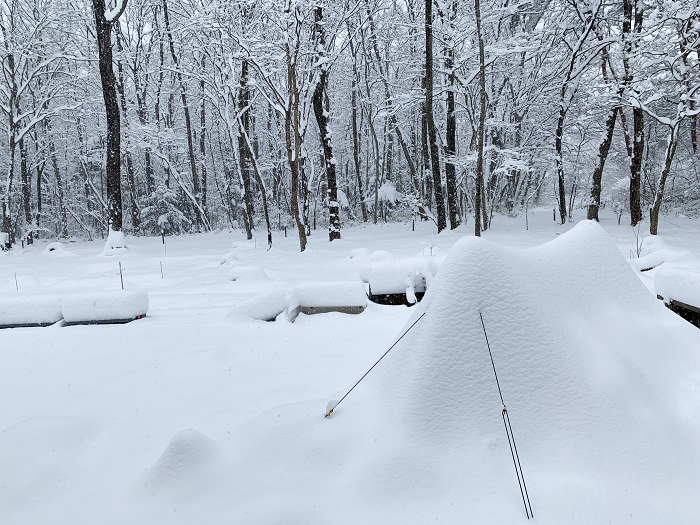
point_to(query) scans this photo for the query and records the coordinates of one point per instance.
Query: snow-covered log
(110, 307)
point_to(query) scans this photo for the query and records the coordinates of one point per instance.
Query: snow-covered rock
(104, 307)
(29, 310)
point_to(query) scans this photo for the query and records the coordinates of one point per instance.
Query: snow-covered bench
(679, 289)
(111, 307)
(307, 298)
(29, 310)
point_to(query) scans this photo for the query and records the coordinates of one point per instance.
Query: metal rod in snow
(161, 269)
(121, 276)
(16, 285)
(372, 367)
(509, 433)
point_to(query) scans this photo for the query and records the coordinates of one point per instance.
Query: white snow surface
(27, 309)
(186, 417)
(104, 306)
(391, 276)
(679, 284)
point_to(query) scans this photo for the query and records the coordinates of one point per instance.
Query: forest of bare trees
(172, 116)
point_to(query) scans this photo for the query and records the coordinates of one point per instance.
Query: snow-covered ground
(193, 415)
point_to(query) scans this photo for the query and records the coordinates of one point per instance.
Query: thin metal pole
(121, 277)
(375, 364)
(509, 432)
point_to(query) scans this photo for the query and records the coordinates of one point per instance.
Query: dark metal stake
(121, 276)
(509, 434)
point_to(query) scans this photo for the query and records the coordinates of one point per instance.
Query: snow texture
(29, 310)
(119, 305)
(248, 274)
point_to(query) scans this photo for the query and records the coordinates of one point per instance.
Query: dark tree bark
(451, 124)
(479, 196)
(25, 178)
(321, 111)
(670, 154)
(634, 10)
(202, 141)
(103, 28)
(432, 133)
(603, 150)
(244, 161)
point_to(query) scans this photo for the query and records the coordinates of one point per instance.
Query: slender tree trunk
(603, 150)
(479, 197)
(26, 191)
(202, 141)
(355, 135)
(451, 124)
(60, 195)
(199, 218)
(670, 153)
(432, 133)
(244, 161)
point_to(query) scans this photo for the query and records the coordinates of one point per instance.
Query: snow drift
(600, 380)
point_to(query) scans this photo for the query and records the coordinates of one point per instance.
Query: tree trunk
(26, 192)
(479, 197)
(321, 111)
(670, 153)
(109, 93)
(199, 218)
(603, 150)
(432, 133)
(451, 124)
(244, 125)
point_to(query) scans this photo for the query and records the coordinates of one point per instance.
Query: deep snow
(191, 415)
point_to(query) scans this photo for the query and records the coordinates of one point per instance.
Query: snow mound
(678, 284)
(56, 248)
(104, 307)
(115, 244)
(29, 310)
(187, 457)
(263, 307)
(599, 379)
(248, 274)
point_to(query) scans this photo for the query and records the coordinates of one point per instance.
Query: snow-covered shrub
(162, 213)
